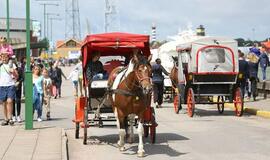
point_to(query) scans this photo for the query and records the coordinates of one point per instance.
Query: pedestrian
(74, 76)
(57, 74)
(264, 62)
(32, 63)
(38, 91)
(47, 85)
(243, 72)
(17, 102)
(8, 76)
(80, 81)
(158, 82)
(253, 74)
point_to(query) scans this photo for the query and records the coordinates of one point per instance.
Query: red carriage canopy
(116, 43)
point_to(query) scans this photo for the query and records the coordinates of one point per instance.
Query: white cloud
(234, 18)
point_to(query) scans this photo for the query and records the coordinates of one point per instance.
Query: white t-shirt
(6, 78)
(47, 82)
(74, 75)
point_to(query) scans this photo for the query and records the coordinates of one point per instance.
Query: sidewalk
(38, 144)
(261, 107)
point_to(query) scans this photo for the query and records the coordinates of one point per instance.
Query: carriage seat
(110, 65)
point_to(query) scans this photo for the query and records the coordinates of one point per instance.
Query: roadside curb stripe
(250, 110)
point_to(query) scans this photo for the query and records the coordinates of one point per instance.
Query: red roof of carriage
(116, 43)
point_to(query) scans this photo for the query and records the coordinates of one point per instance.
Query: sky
(248, 19)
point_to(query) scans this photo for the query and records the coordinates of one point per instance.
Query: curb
(65, 155)
(250, 110)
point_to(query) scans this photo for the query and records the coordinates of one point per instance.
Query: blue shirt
(38, 82)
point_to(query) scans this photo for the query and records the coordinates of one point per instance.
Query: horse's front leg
(130, 138)
(140, 146)
(122, 132)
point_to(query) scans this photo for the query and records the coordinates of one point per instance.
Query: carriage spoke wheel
(77, 125)
(77, 130)
(153, 126)
(220, 104)
(176, 104)
(238, 102)
(85, 125)
(153, 134)
(190, 102)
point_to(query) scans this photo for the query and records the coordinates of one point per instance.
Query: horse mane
(142, 61)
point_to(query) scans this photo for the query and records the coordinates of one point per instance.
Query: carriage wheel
(153, 134)
(153, 127)
(77, 124)
(146, 131)
(77, 130)
(238, 102)
(85, 125)
(176, 104)
(190, 102)
(220, 106)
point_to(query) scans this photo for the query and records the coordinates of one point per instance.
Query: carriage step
(102, 110)
(84, 126)
(103, 120)
(76, 121)
(151, 124)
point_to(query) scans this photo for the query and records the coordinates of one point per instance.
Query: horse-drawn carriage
(127, 89)
(208, 68)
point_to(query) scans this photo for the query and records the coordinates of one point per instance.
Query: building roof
(60, 43)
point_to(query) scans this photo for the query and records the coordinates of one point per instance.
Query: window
(71, 44)
(214, 55)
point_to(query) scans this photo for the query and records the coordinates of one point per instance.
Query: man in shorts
(8, 75)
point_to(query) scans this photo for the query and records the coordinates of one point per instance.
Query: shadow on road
(160, 147)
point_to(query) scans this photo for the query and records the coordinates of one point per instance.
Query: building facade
(70, 48)
(18, 34)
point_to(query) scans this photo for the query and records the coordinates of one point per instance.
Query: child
(47, 85)
(38, 91)
(74, 76)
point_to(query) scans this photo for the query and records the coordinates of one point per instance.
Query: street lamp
(8, 29)
(28, 75)
(44, 8)
(51, 20)
(48, 16)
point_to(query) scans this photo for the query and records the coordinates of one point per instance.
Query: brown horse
(174, 73)
(175, 86)
(131, 96)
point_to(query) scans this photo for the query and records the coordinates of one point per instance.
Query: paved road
(206, 136)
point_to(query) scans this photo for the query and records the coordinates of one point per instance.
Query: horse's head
(175, 60)
(143, 70)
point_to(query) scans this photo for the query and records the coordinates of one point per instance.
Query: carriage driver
(95, 68)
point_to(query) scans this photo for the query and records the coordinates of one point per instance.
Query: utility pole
(51, 20)
(48, 17)
(7, 22)
(44, 13)
(28, 75)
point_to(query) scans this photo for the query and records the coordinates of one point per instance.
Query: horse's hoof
(122, 149)
(141, 154)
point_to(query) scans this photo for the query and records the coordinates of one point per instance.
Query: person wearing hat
(8, 75)
(158, 82)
